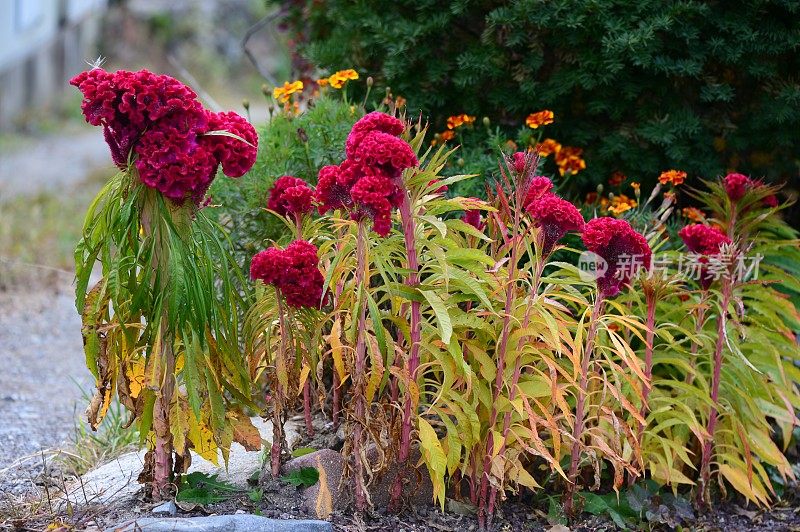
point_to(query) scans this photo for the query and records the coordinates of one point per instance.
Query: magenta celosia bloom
(441, 189)
(473, 217)
(375, 197)
(518, 161)
(159, 120)
(294, 271)
(367, 182)
(537, 187)
(171, 159)
(290, 195)
(623, 249)
(375, 121)
(736, 185)
(770, 201)
(555, 217)
(704, 240)
(381, 152)
(236, 157)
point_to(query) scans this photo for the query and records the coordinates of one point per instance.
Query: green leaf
(442, 317)
(302, 451)
(303, 477)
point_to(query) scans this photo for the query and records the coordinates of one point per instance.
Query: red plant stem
(162, 473)
(577, 432)
(648, 356)
(705, 464)
(278, 393)
(409, 233)
(360, 368)
(483, 507)
(517, 373)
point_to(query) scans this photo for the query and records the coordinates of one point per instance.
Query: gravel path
(42, 374)
(53, 162)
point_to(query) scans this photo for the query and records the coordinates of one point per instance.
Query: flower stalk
(580, 407)
(279, 392)
(359, 398)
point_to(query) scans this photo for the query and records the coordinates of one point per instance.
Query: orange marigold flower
(547, 147)
(617, 178)
(447, 135)
(282, 94)
(673, 177)
(338, 79)
(620, 204)
(635, 186)
(591, 198)
(399, 102)
(459, 120)
(322, 82)
(693, 214)
(569, 160)
(511, 145)
(540, 118)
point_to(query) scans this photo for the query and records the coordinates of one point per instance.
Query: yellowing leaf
(434, 457)
(244, 432)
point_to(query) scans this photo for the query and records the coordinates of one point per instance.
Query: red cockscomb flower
(294, 271)
(290, 195)
(374, 121)
(556, 217)
(623, 249)
(236, 157)
(770, 201)
(704, 240)
(384, 153)
(159, 119)
(537, 187)
(736, 185)
(518, 161)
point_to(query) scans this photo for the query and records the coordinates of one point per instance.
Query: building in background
(42, 44)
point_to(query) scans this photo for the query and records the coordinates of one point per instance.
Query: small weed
(302, 478)
(200, 488)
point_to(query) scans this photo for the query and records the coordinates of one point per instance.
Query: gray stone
(325, 495)
(166, 508)
(222, 523)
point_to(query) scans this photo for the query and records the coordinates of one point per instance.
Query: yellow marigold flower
(282, 94)
(617, 178)
(569, 160)
(674, 177)
(540, 118)
(459, 120)
(620, 204)
(693, 214)
(338, 79)
(547, 147)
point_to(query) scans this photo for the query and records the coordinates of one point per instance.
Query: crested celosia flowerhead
(290, 196)
(621, 247)
(473, 217)
(736, 185)
(384, 153)
(703, 239)
(374, 121)
(294, 271)
(555, 217)
(375, 197)
(173, 160)
(159, 120)
(707, 241)
(237, 155)
(770, 201)
(537, 187)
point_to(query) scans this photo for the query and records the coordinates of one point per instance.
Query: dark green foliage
(643, 86)
(288, 145)
(200, 488)
(303, 477)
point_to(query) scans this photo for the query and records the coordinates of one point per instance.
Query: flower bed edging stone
(222, 523)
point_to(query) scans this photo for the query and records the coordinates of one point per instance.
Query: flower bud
(302, 134)
(370, 81)
(486, 121)
(265, 89)
(599, 189)
(246, 104)
(460, 162)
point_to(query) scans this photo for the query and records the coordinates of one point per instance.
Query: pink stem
(360, 370)
(409, 230)
(577, 432)
(705, 464)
